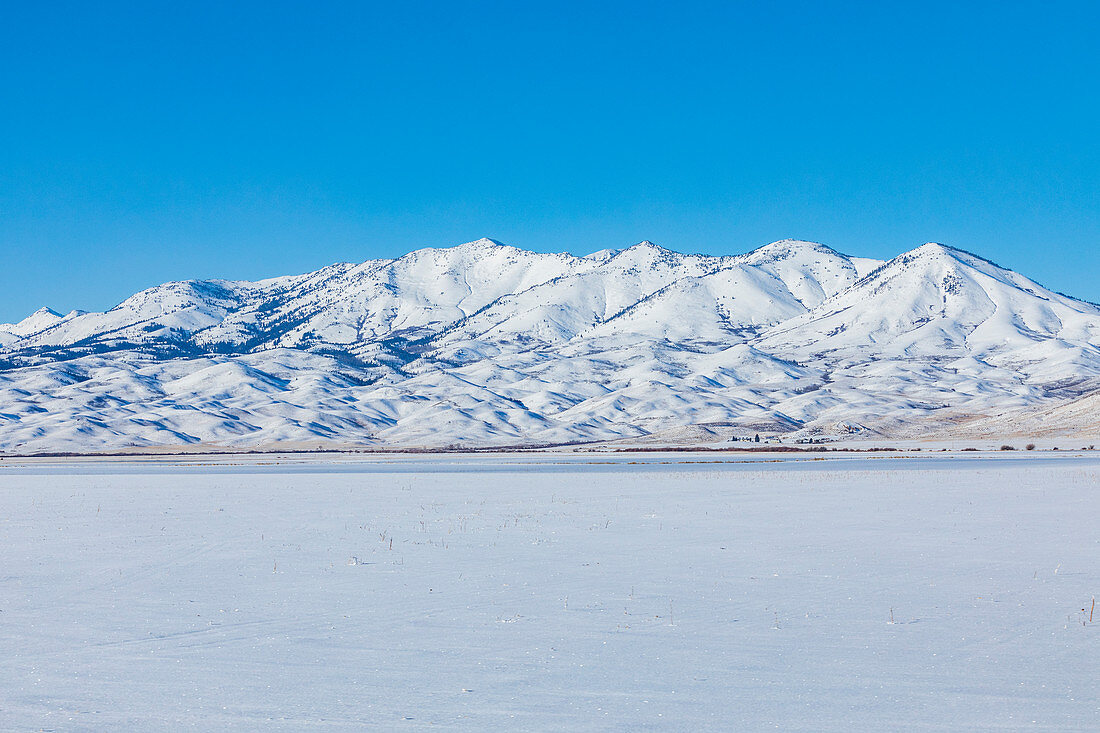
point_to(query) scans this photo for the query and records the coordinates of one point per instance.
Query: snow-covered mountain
(485, 344)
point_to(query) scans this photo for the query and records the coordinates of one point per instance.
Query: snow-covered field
(536, 592)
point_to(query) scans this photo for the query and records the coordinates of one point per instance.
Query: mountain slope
(939, 304)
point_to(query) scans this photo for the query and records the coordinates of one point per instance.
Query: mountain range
(489, 345)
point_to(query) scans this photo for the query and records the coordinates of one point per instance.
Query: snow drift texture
(484, 344)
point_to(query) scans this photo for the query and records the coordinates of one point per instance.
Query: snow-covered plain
(551, 591)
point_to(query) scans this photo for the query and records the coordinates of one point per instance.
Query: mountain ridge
(486, 344)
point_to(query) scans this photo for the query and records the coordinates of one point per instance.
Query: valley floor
(657, 591)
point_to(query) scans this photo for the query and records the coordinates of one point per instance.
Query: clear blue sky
(147, 142)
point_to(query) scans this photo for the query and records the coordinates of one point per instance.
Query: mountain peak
(41, 319)
(647, 253)
(807, 245)
(785, 248)
(483, 243)
(466, 249)
(938, 251)
(936, 248)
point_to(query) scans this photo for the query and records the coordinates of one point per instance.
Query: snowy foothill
(551, 591)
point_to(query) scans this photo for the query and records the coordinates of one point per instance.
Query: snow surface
(488, 345)
(538, 592)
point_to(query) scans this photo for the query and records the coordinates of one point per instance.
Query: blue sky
(142, 144)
